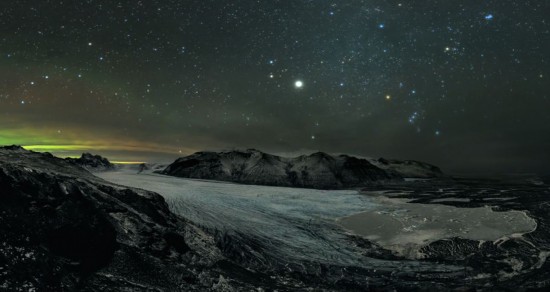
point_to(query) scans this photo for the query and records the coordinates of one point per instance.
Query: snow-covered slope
(318, 170)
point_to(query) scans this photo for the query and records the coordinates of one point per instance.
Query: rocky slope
(318, 170)
(63, 229)
(92, 162)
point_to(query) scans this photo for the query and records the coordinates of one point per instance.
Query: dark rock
(13, 148)
(92, 162)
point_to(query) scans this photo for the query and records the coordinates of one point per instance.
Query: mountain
(64, 229)
(409, 168)
(149, 167)
(318, 170)
(92, 162)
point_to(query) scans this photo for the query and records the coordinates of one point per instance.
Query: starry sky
(461, 84)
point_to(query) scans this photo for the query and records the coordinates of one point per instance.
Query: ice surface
(304, 224)
(405, 224)
(299, 223)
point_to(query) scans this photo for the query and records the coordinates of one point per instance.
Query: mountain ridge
(317, 170)
(92, 162)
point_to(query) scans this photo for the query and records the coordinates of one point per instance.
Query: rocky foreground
(63, 229)
(318, 170)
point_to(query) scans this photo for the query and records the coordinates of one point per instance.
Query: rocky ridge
(318, 170)
(92, 162)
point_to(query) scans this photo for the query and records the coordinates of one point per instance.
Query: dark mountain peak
(202, 154)
(90, 161)
(321, 155)
(353, 159)
(13, 148)
(410, 168)
(383, 161)
(241, 152)
(87, 155)
(252, 150)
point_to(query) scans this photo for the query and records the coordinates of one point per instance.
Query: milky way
(462, 84)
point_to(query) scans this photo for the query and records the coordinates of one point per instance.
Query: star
(348, 66)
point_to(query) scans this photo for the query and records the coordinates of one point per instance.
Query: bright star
(299, 84)
(488, 16)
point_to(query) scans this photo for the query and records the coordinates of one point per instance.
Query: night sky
(461, 84)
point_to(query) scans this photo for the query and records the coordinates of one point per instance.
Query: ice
(407, 224)
(299, 223)
(303, 225)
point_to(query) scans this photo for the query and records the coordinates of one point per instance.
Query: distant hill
(318, 170)
(92, 162)
(408, 168)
